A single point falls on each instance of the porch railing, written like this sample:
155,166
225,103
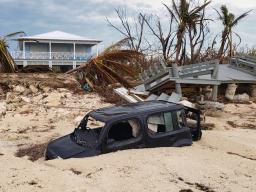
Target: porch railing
20,55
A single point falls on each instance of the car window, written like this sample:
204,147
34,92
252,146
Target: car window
181,118
160,123
124,130
94,124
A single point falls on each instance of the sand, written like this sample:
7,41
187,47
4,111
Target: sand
223,160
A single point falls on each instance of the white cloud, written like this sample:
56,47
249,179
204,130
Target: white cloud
87,17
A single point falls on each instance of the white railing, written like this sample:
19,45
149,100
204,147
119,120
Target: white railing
19,55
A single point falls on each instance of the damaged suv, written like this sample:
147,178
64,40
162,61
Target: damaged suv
138,125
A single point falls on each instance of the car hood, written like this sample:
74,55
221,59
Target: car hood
65,147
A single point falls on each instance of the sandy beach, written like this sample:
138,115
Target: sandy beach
223,160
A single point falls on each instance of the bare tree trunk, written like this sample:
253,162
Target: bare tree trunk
231,46
175,70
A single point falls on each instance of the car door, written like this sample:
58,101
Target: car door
124,134
167,129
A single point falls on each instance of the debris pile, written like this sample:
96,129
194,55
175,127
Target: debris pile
113,65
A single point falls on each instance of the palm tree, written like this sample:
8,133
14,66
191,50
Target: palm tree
229,21
7,64
185,16
113,65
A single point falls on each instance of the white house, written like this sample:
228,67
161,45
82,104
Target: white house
57,48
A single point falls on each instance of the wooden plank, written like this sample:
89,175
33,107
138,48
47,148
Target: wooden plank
151,97
163,97
124,93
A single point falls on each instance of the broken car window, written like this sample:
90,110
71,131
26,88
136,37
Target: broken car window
88,132
181,118
94,124
124,130
160,123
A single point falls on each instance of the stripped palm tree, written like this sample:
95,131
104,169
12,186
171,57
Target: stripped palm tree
186,16
229,21
7,64
109,67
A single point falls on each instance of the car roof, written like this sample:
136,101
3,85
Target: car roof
133,109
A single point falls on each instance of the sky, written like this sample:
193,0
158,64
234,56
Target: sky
88,17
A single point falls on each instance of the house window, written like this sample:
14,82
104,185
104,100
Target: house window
124,130
160,123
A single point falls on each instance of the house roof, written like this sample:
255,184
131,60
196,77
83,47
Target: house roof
60,36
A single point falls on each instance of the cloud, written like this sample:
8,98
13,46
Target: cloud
87,17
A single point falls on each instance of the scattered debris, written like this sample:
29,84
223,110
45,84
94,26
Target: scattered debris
242,98
34,152
3,108
211,105
113,65
231,153
75,171
32,182
7,64
232,124
89,175
186,190
242,125
127,95
208,126
230,91
203,187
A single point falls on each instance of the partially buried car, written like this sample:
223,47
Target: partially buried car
139,125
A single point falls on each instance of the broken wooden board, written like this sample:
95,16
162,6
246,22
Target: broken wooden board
125,94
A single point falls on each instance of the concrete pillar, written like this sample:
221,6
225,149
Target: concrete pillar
74,64
175,74
253,90
25,63
231,91
215,93
50,64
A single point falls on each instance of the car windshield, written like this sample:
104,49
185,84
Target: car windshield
88,131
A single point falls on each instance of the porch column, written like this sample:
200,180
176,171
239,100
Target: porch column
50,55
50,49
74,45
24,54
